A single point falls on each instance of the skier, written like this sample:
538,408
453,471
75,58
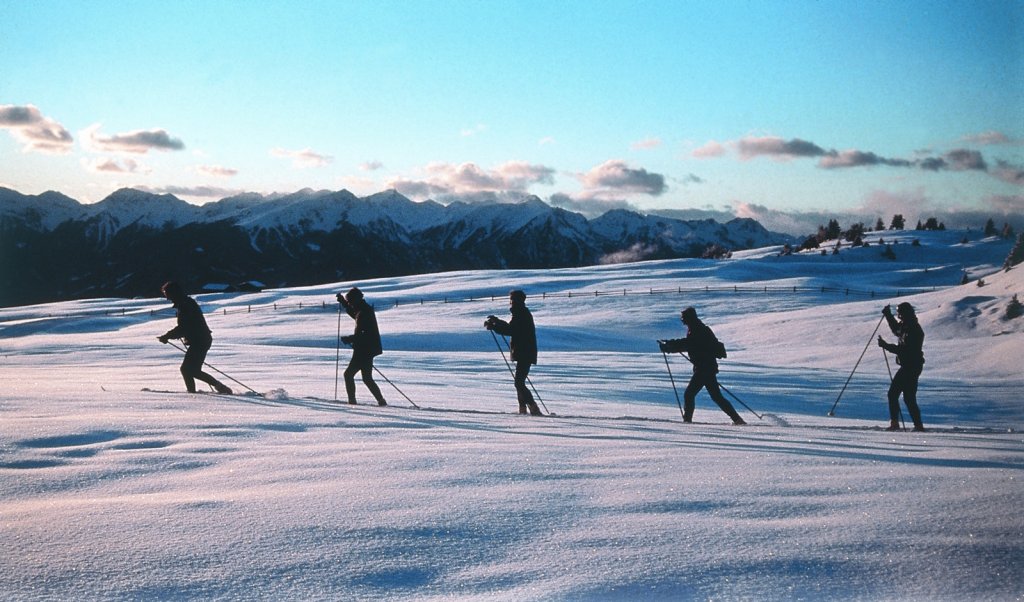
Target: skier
365,342
523,346
196,335
704,349
909,351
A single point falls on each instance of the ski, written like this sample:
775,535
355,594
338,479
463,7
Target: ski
240,395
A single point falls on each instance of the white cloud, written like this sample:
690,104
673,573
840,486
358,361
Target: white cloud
646,144
137,142
988,138
217,170
711,149
615,177
469,178
587,205
207,192
777,148
37,132
303,159
115,166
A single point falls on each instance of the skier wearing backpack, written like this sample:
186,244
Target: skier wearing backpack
704,349
909,351
196,335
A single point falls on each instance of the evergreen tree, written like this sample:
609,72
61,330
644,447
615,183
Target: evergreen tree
1014,309
812,242
879,225
855,232
1016,254
990,228
1007,231
833,230
931,224
897,222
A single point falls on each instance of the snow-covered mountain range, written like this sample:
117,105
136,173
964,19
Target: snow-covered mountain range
54,247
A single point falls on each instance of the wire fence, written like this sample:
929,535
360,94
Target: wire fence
332,305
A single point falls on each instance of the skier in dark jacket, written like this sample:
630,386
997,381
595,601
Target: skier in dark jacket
194,332
702,345
365,342
523,346
909,351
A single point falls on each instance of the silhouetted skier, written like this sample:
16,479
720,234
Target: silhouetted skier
365,342
704,349
193,331
523,346
909,352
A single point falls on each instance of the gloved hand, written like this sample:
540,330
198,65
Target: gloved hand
490,322
341,299
887,311
347,339
163,339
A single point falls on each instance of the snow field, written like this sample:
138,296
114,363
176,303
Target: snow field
111,492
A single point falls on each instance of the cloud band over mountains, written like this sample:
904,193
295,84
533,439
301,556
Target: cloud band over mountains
779,149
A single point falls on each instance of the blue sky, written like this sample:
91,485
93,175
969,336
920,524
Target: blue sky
766,109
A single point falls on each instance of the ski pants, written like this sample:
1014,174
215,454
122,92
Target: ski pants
364,364
523,390
192,365
905,382
708,380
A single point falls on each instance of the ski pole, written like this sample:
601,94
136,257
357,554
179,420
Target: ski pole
502,352
674,390
396,387
886,356
832,412
337,355
724,388
512,372
227,376
733,395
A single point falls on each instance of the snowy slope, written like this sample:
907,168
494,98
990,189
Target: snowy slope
109,492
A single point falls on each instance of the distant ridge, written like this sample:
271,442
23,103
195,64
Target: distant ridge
55,248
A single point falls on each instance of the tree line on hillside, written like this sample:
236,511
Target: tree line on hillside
854,234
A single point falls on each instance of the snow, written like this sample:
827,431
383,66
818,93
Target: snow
108,491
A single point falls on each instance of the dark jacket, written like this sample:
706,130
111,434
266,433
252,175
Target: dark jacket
365,339
523,333
191,326
702,345
909,349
